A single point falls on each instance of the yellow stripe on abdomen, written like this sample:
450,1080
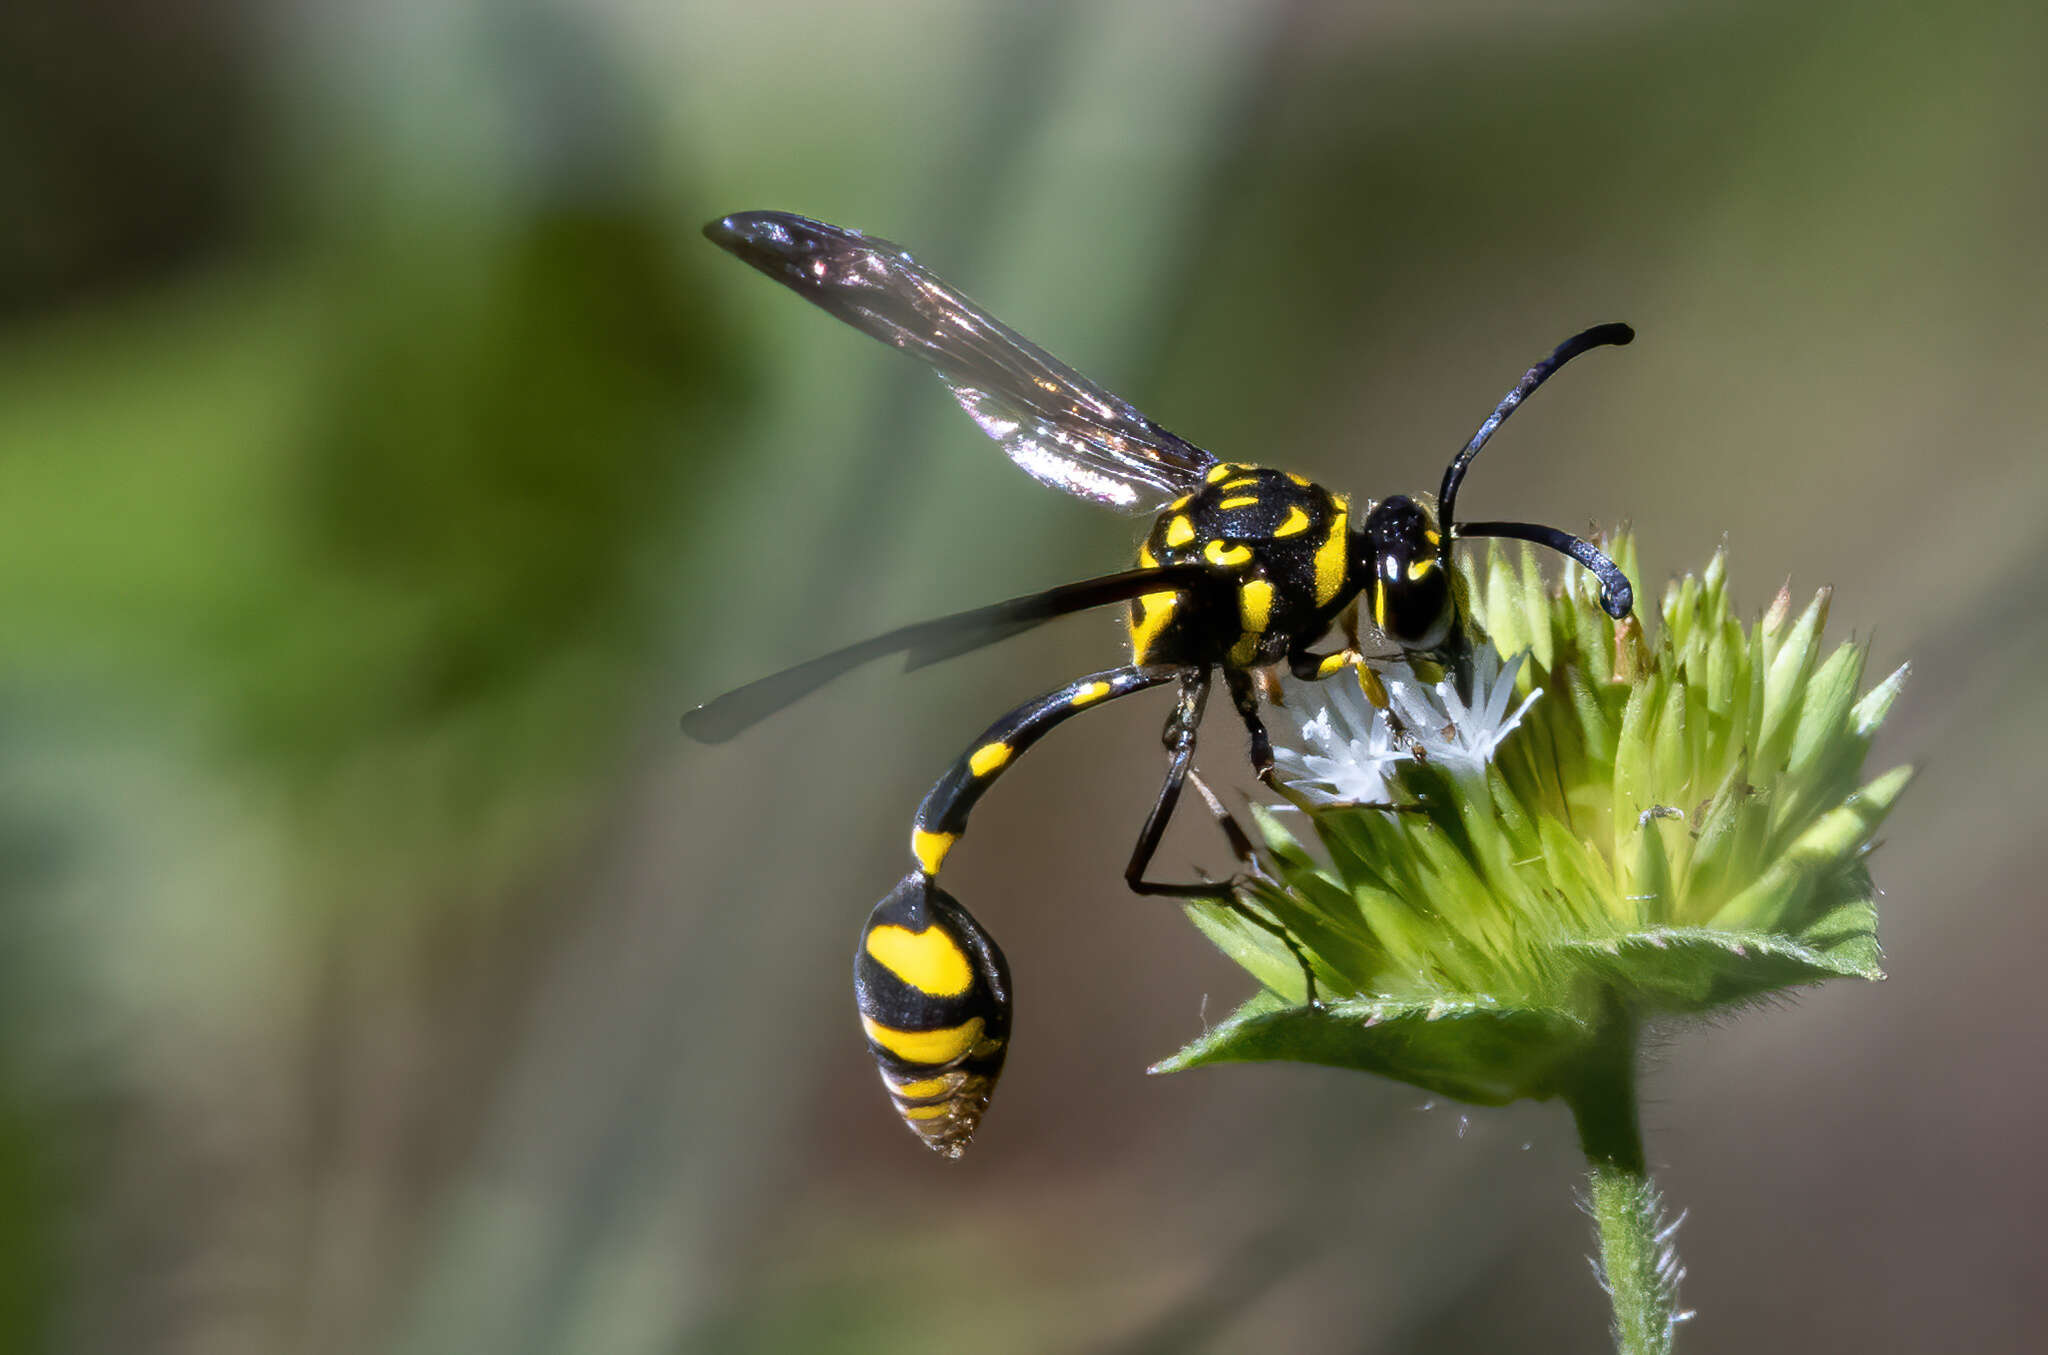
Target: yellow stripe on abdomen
941,1046
929,961
925,1088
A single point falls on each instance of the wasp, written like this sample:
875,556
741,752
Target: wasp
1245,568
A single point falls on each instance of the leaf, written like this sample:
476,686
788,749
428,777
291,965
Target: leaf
1869,713
1828,842
1467,1047
1686,968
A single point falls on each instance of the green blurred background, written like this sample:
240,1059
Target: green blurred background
385,462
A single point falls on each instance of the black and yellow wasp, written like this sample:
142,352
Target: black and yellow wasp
1244,568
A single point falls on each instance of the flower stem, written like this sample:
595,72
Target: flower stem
1637,1265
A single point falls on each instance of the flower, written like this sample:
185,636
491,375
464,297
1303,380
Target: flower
1450,733
1681,824
1349,746
1348,749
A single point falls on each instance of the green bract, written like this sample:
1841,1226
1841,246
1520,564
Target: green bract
1675,824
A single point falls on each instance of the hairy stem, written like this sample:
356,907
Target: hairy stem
1638,1266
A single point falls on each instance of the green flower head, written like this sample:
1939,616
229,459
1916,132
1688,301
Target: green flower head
1609,823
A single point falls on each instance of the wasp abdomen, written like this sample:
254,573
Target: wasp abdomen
934,996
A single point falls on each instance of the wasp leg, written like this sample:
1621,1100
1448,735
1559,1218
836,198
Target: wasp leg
1182,727
1312,666
1247,855
1240,841
1244,695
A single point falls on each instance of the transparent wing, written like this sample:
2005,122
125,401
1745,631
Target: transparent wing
1064,430
934,641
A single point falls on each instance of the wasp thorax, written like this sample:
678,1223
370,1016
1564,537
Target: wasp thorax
1399,559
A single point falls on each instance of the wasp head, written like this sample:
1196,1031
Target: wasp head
1399,558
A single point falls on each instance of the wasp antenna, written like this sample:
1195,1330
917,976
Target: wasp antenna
1599,336
1617,597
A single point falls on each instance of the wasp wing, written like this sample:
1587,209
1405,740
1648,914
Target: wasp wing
929,642
1063,429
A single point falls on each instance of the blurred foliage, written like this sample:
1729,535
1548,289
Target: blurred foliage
125,132
391,488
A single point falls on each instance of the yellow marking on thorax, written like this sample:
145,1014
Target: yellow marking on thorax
1181,502
1091,693
1255,613
944,1045
1225,555
1330,558
1301,480
1179,532
1154,611
1379,604
1420,569
1241,501
1221,471
1295,524
924,1087
929,961
1255,603
1243,482
989,757
1433,537
1145,556
930,848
